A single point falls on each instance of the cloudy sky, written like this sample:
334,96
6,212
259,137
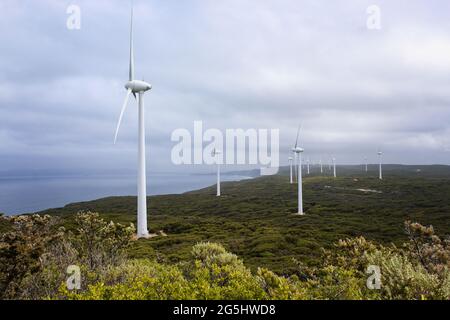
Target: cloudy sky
232,64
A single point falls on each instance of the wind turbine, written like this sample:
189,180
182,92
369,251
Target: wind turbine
137,87
290,169
365,161
334,167
380,155
308,161
298,151
321,165
215,154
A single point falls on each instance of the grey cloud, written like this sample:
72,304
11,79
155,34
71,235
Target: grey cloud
248,64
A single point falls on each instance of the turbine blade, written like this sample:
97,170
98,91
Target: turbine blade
298,133
131,71
121,115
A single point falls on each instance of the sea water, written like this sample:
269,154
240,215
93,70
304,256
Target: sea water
32,194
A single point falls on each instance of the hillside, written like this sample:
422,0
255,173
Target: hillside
254,217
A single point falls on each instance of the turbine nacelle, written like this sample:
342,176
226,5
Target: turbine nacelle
297,150
137,86
380,153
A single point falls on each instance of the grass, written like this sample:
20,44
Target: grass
255,220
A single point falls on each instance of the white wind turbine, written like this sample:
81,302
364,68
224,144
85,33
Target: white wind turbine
321,165
365,161
290,169
216,154
298,151
380,155
308,161
334,167
137,87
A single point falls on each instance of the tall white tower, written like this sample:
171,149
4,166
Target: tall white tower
334,167
299,152
142,230
298,155
290,169
380,155
216,154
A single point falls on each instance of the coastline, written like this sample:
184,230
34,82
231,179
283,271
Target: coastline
52,192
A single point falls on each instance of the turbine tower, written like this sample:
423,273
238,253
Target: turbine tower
215,154
295,167
334,167
298,151
321,165
380,155
307,161
290,169
137,87
365,161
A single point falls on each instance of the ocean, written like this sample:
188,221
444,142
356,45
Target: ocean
32,194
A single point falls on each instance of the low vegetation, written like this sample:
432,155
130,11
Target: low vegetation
246,244
35,254
254,218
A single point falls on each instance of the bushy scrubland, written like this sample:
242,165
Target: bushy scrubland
35,253
253,218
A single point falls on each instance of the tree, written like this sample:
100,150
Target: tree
100,244
427,248
22,251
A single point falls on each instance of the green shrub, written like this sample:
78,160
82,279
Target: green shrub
34,256
405,279
205,250
23,250
100,244
219,276
135,280
280,288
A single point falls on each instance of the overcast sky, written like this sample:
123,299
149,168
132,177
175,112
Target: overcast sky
232,64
